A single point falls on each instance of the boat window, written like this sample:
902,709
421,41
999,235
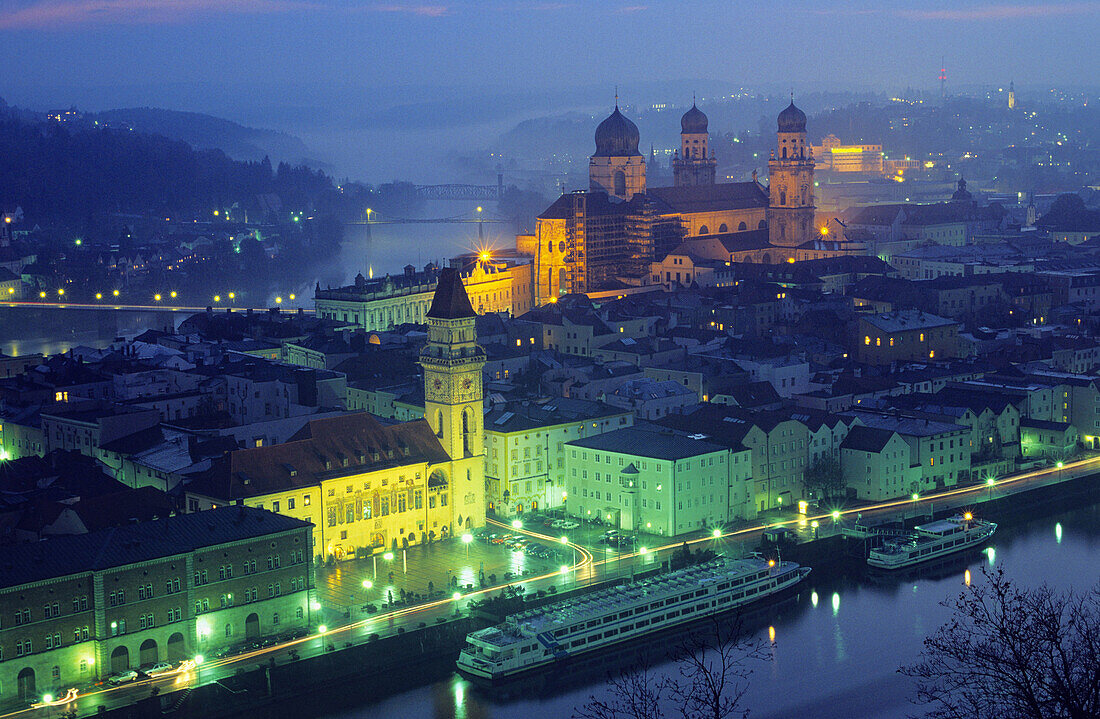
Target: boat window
525,650
611,632
594,623
627,627
594,637
700,593
738,595
609,618
576,642
724,585
672,615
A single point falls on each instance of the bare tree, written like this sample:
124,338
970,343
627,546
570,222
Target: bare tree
712,668
1013,652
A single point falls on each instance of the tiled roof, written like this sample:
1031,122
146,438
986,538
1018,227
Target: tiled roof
643,442
322,449
708,198
867,439
450,301
119,546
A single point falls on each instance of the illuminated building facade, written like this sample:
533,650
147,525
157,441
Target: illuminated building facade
791,183
832,155
381,304
78,608
370,487
610,235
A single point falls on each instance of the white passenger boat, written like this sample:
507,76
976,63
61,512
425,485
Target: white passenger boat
932,540
556,632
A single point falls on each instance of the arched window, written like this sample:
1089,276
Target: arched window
439,424
704,230
620,183
742,227
782,197
762,224
784,153
723,228
550,246
466,431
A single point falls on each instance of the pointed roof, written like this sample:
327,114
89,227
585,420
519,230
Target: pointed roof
450,301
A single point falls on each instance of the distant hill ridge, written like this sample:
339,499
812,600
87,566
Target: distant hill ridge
208,132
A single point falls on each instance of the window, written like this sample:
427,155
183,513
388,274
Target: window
305,500
275,619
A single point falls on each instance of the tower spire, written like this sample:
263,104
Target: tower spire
616,97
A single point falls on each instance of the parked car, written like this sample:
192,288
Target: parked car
158,668
556,524
123,677
499,539
569,525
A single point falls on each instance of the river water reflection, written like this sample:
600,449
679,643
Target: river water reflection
837,646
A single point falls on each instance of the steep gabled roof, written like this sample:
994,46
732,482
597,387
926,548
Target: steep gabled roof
450,301
867,439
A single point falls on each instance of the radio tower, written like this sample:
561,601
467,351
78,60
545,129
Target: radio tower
943,80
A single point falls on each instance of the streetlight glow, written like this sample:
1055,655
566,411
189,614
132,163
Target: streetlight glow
516,524
564,540
467,538
367,584
456,596
388,556
717,533
836,515
564,569
321,629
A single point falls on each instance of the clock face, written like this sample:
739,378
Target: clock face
467,383
438,383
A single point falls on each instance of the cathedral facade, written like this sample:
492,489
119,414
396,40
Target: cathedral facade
607,237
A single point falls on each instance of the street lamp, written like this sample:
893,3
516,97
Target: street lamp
565,540
367,584
990,482
466,539
516,524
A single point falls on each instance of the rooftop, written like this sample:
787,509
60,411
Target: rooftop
641,442
120,546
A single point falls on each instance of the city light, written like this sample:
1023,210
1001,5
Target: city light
322,628
292,295
456,596
156,297
61,292
232,295
47,698
388,556
564,569
99,295
836,514
564,540
717,533
991,481
217,298
42,295
115,293
968,516
78,242
642,550
915,496
368,584
516,524
467,538
278,300
199,659
172,294
315,606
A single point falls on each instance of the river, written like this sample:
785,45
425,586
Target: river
837,645
384,249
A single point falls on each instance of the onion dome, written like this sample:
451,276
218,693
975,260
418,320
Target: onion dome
693,121
617,137
792,119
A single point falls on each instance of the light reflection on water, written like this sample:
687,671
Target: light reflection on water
828,663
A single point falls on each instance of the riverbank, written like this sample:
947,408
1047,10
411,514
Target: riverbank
348,675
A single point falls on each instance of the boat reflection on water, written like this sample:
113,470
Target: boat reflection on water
945,567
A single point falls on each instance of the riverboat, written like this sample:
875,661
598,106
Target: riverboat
932,540
540,637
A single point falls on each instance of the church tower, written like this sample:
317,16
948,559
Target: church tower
790,210
694,164
617,167
453,394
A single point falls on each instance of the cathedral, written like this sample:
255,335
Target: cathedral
606,237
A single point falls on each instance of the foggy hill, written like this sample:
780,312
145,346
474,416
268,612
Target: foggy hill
208,132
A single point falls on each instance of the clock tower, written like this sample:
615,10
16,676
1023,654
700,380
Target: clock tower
453,393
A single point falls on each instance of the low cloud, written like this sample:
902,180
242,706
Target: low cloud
978,13
67,14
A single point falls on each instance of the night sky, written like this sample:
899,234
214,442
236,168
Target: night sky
295,48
